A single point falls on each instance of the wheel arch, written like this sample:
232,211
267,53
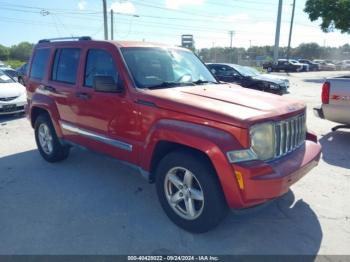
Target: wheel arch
204,141
42,104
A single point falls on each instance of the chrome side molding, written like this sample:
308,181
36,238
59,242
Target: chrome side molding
95,136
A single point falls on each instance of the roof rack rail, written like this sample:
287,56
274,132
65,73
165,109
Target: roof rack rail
77,38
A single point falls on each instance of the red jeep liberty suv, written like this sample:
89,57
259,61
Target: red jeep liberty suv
208,146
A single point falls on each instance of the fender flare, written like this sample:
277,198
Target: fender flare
213,142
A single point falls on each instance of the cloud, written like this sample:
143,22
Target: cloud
123,7
82,4
176,4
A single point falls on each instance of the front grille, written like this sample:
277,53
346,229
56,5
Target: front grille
290,134
5,99
12,109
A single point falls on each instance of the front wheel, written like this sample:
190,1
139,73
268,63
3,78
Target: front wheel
189,191
47,141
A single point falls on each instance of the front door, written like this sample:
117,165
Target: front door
106,121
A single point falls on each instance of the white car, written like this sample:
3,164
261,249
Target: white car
13,96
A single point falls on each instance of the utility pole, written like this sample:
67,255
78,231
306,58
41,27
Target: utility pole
105,19
278,29
112,25
231,37
291,30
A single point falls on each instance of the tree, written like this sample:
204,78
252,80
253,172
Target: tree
308,50
4,52
334,14
22,51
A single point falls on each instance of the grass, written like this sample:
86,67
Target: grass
14,63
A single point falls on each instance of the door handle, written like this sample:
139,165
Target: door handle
49,88
82,95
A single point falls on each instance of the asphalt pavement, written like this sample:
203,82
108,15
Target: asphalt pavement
91,204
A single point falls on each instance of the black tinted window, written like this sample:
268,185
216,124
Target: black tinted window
99,62
65,66
40,62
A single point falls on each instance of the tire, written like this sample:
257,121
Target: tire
54,153
207,213
269,69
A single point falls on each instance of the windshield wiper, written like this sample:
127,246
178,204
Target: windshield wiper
201,82
169,84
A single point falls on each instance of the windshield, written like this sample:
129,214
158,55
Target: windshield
245,70
252,70
5,78
165,67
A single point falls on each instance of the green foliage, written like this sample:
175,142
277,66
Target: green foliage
308,51
4,52
14,63
334,14
22,51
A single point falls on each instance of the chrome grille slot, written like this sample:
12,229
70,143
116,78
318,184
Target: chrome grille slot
289,135
5,99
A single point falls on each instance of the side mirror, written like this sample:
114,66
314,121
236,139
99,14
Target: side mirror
106,84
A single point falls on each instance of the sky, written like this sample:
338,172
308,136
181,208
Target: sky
164,21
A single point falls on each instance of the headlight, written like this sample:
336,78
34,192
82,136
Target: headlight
262,140
274,86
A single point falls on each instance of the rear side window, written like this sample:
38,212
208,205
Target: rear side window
99,62
40,62
65,65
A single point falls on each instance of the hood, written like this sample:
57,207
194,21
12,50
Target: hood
225,103
268,78
11,90
280,78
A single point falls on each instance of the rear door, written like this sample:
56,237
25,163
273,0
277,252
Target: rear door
62,82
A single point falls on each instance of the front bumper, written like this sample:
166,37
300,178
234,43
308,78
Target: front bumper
318,112
266,181
12,107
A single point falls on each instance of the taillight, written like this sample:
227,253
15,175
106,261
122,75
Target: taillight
325,92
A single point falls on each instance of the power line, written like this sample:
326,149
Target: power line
88,14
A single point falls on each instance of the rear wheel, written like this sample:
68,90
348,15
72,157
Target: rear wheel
47,141
269,69
189,191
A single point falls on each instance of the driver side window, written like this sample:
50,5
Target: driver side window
226,71
99,63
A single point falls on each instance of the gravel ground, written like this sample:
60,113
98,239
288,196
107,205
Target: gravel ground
90,204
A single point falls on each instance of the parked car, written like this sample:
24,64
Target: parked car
12,95
323,65
345,65
207,146
305,67
248,77
335,101
312,66
22,72
283,65
11,72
